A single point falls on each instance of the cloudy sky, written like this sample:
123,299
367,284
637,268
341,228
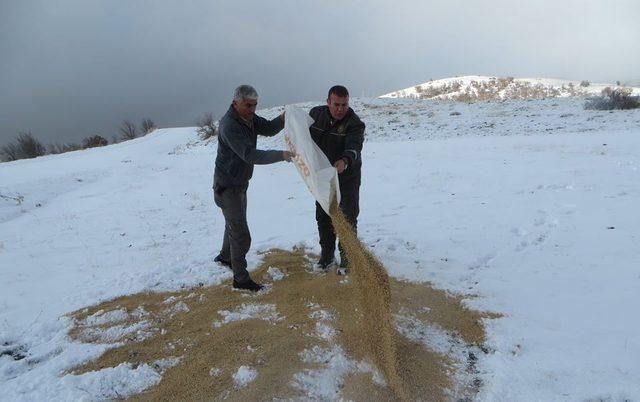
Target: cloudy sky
69,69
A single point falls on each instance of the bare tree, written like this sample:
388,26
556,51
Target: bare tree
128,130
94,141
147,126
206,126
26,146
30,146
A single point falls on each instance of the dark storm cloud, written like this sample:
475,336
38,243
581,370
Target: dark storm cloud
73,68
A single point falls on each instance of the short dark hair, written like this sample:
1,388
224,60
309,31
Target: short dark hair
339,91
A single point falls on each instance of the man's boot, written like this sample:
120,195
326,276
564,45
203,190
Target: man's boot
343,269
222,261
326,261
248,285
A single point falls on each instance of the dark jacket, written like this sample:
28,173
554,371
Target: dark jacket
237,151
340,139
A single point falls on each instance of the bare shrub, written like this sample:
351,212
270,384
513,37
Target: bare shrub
71,146
26,146
128,130
584,83
527,90
435,91
207,126
30,146
466,96
610,99
94,141
9,152
503,83
62,148
147,126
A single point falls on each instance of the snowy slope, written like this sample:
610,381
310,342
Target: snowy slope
530,206
476,87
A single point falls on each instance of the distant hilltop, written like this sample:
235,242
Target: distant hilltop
481,88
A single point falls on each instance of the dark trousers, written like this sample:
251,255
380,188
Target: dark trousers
350,206
237,239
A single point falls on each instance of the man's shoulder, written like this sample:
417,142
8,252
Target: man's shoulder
318,110
228,122
354,118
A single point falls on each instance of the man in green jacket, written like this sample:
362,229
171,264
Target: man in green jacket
237,138
339,133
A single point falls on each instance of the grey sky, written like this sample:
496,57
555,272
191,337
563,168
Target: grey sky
69,69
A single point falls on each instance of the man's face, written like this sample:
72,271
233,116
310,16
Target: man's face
338,106
246,108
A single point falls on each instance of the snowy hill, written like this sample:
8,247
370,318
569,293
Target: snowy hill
478,88
527,209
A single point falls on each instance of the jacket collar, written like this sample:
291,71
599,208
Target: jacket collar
335,122
234,115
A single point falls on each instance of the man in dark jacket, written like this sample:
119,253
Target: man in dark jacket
237,137
339,132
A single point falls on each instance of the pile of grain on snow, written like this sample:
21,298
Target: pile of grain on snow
304,337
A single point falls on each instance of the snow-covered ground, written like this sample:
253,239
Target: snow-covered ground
532,207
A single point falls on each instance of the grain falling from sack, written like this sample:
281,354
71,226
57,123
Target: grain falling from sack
375,294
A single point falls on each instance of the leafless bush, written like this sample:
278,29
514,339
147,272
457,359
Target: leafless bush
584,83
609,99
94,141
435,91
147,126
466,96
527,90
62,148
504,82
10,152
25,146
207,126
128,130
495,88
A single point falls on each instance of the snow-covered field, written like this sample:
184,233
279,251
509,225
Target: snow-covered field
529,207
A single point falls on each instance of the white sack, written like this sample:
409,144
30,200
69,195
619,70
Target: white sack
311,162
